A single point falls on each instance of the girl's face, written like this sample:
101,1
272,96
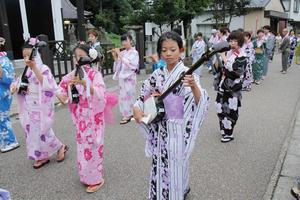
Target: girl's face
246,38
79,53
292,33
234,44
92,38
26,53
170,52
126,43
260,35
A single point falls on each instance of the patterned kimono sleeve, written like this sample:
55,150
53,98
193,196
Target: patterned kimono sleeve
148,131
131,61
49,83
63,85
238,69
234,79
98,98
194,117
147,89
217,77
47,97
252,53
7,72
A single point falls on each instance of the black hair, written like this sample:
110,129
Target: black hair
267,27
259,31
83,47
126,36
177,30
247,34
170,35
237,35
86,49
241,30
2,47
199,34
223,30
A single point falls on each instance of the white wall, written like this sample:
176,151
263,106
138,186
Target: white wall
57,20
201,24
237,22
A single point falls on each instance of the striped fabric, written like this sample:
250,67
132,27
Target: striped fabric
171,141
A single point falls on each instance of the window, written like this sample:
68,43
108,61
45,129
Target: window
296,6
286,5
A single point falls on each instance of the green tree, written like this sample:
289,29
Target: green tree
188,10
227,9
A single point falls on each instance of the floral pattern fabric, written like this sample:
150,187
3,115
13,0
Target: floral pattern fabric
125,71
88,119
36,111
228,83
7,136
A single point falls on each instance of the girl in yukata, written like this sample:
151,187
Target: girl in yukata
293,41
95,44
88,116
36,110
258,64
198,49
170,141
8,140
250,54
126,66
228,83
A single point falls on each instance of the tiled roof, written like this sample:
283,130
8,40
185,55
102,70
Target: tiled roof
70,11
258,3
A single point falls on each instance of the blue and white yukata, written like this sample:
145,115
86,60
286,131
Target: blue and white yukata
8,140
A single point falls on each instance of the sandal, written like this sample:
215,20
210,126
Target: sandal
125,120
295,192
66,148
94,188
43,162
186,193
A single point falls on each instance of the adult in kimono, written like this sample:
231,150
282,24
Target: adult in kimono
228,83
170,141
258,64
36,110
198,50
8,140
95,44
250,54
269,50
285,50
126,66
293,44
88,117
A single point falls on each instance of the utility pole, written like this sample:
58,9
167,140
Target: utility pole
80,20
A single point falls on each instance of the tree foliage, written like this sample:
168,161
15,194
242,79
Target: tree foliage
225,10
114,14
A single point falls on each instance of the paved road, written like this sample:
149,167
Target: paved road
236,171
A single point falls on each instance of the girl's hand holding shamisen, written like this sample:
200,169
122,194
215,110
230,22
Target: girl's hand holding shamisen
189,81
138,114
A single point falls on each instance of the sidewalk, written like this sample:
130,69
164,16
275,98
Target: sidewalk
290,165
111,85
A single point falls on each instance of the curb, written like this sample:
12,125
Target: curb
282,155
